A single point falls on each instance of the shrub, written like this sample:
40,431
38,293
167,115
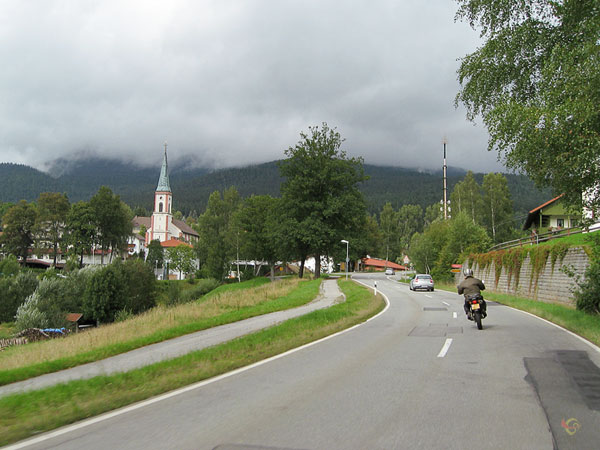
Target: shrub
202,287
105,294
9,266
140,285
29,315
587,295
13,293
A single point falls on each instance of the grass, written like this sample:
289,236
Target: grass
224,306
29,413
7,330
578,322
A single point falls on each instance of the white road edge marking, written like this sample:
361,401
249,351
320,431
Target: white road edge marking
428,296
144,403
446,303
454,315
445,348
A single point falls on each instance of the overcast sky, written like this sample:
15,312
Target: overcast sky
234,82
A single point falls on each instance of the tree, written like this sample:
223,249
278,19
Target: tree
536,84
214,249
181,258
388,226
410,221
50,223
114,220
81,229
321,200
466,198
18,227
156,254
105,294
257,220
497,207
432,213
425,247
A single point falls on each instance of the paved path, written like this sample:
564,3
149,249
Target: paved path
330,294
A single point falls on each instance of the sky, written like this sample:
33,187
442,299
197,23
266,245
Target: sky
234,82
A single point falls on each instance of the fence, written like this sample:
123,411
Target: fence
537,238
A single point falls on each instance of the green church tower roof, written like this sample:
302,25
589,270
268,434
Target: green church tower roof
163,181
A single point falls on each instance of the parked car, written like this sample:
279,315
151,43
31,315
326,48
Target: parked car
421,281
389,271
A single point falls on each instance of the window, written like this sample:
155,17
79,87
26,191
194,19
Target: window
560,223
160,207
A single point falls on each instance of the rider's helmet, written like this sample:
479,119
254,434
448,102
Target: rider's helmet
468,272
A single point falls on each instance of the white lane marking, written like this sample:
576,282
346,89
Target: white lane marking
428,296
446,303
185,389
445,348
454,315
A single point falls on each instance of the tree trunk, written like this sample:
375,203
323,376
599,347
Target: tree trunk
317,266
301,271
272,271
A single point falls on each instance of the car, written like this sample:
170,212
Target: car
389,271
421,281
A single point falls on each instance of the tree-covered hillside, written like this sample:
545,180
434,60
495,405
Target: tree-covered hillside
192,187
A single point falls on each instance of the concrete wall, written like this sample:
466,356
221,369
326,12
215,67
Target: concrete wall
551,285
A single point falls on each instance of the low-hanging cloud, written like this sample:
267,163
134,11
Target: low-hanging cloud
234,82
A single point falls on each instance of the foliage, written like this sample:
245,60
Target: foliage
587,294
139,286
497,208
18,228
466,198
425,247
156,254
50,222
321,200
201,287
9,266
536,83
81,229
215,248
113,219
14,291
105,294
181,258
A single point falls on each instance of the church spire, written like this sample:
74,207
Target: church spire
163,181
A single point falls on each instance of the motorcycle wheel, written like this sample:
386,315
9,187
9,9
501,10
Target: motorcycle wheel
477,317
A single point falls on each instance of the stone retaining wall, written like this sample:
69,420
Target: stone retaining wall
551,284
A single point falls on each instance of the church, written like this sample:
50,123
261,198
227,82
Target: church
161,225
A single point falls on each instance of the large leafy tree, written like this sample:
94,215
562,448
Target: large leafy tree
258,229
410,221
321,200
81,229
536,83
215,247
53,209
388,227
466,198
497,207
181,258
114,220
156,254
18,228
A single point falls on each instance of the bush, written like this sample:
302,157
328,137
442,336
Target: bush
202,287
140,285
13,293
9,266
105,294
30,316
587,295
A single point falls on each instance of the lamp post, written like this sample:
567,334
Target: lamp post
344,241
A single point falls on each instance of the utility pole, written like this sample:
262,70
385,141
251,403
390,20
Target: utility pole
444,141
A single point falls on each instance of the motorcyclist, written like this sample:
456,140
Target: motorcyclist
471,286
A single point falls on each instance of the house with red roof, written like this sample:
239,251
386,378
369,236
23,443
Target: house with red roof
551,215
375,264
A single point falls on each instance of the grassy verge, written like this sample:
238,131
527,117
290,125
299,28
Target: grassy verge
580,323
225,306
30,413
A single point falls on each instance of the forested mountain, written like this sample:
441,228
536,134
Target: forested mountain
191,187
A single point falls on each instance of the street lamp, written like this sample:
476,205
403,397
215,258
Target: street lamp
344,241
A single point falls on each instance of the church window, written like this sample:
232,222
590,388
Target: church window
160,207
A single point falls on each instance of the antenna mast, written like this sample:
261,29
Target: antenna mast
445,141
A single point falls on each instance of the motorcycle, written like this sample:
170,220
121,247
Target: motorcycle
477,309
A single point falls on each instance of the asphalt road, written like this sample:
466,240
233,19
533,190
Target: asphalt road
417,376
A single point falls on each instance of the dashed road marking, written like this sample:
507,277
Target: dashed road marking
445,348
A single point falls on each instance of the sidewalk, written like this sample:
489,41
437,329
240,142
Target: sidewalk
329,295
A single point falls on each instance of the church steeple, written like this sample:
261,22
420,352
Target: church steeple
163,181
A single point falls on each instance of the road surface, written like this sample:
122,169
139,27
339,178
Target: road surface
417,376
